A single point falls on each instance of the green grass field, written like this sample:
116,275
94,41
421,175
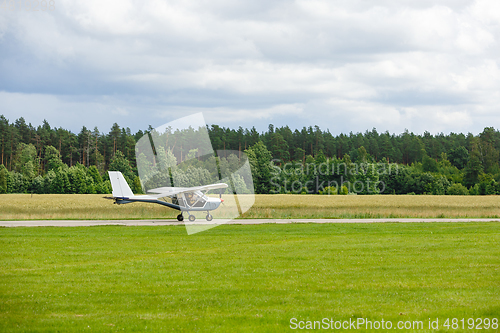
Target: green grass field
251,278
94,207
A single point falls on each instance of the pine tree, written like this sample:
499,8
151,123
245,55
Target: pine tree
259,158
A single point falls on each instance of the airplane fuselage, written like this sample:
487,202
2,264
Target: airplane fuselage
195,201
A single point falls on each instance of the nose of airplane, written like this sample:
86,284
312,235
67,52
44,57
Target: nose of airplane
221,200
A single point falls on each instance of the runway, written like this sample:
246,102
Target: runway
88,223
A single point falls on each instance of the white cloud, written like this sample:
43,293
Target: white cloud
385,64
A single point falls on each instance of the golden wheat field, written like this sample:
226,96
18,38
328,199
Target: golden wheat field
95,207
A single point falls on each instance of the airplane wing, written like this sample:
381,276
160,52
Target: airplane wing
169,191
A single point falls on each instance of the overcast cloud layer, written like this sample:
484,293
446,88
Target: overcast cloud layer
343,65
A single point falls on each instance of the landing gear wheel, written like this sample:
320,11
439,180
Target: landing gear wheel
209,217
180,218
192,218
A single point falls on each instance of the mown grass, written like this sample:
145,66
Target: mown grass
86,206
251,278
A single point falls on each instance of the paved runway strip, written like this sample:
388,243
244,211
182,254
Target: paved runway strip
86,223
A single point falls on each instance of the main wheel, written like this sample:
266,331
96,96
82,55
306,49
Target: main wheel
192,218
209,217
180,218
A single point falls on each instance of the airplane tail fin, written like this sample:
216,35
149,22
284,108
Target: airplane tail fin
119,185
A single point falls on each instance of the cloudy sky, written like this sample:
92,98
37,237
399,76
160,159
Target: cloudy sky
346,65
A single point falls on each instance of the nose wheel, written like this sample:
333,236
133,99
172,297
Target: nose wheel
209,217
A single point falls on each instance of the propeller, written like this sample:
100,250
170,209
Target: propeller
220,196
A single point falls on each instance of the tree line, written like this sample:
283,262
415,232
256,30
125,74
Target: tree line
43,159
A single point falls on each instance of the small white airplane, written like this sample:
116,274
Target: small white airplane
185,199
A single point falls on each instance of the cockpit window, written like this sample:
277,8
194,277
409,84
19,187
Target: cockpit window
195,199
